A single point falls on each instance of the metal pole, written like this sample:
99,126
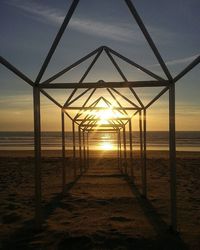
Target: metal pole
37,147
148,37
144,165
103,84
87,149
141,144
131,146
127,60
63,150
57,39
74,146
172,156
125,156
12,68
80,150
84,151
118,150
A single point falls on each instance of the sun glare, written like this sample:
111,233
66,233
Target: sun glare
106,145
105,137
105,115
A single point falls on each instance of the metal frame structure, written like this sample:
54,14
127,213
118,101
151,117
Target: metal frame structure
89,123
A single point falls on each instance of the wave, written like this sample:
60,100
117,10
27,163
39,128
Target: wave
188,140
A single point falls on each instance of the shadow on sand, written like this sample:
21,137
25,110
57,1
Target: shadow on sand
111,240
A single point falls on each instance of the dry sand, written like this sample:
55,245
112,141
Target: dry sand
102,209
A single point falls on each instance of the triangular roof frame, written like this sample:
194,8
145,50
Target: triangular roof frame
168,83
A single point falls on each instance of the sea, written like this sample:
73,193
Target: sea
156,140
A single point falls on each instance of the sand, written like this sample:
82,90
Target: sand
101,209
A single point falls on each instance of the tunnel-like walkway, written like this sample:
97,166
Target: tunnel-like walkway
101,211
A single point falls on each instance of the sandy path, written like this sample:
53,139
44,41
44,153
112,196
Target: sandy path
99,212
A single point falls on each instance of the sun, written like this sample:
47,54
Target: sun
106,146
105,115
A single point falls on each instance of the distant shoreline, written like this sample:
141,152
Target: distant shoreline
97,153
69,131
159,141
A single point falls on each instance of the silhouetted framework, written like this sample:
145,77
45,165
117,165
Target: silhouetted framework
84,123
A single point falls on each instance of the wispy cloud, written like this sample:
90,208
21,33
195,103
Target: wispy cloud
179,61
188,109
25,102
113,32
121,32
83,25
38,11
20,101
182,60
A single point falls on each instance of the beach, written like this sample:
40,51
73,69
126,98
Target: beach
100,209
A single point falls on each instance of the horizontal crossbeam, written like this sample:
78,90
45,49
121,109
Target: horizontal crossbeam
101,108
102,84
114,130
96,119
103,125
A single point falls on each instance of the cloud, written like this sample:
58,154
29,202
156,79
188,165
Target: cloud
187,109
38,11
182,60
118,32
20,101
179,61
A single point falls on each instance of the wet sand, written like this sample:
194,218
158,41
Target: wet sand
102,209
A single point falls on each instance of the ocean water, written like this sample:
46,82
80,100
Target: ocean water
186,141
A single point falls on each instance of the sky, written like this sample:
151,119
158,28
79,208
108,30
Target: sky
28,28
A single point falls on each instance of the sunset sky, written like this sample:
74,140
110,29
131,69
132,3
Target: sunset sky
28,28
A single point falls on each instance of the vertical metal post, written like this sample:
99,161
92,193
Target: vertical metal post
172,156
80,150
74,147
140,132
37,147
141,145
84,151
63,150
118,149
144,165
131,147
125,155
88,150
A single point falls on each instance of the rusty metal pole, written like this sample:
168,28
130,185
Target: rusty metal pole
37,151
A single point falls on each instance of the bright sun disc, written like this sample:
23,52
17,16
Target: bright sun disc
105,115
106,146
